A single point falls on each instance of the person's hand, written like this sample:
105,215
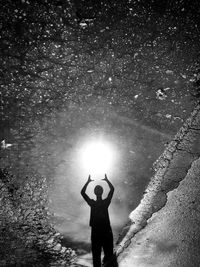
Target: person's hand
89,179
105,178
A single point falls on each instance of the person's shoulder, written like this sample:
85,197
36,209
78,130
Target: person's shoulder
92,201
105,200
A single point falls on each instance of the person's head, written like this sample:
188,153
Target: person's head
98,190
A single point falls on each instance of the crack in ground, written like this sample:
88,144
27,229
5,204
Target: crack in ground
157,189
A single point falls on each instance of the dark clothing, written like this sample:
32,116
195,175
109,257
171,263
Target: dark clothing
99,217
101,232
99,211
101,239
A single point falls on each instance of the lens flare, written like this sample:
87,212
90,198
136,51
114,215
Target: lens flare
97,158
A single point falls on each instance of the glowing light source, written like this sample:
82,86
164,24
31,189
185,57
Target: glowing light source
97,158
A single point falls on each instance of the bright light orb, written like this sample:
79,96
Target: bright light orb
97,158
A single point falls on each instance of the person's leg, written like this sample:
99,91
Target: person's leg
108,245
96,249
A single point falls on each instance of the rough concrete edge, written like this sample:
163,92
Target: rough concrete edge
170,149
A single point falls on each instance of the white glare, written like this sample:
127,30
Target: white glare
97,158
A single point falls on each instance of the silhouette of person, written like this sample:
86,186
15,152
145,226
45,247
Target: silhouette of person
101,232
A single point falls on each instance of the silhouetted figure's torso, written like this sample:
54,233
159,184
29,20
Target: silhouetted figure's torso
99,217
101,232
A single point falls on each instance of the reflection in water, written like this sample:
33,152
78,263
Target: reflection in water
101,232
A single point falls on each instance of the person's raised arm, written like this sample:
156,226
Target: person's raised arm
110,194
83,190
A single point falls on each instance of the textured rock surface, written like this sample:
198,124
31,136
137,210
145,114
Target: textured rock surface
27,237
171,168
172,235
